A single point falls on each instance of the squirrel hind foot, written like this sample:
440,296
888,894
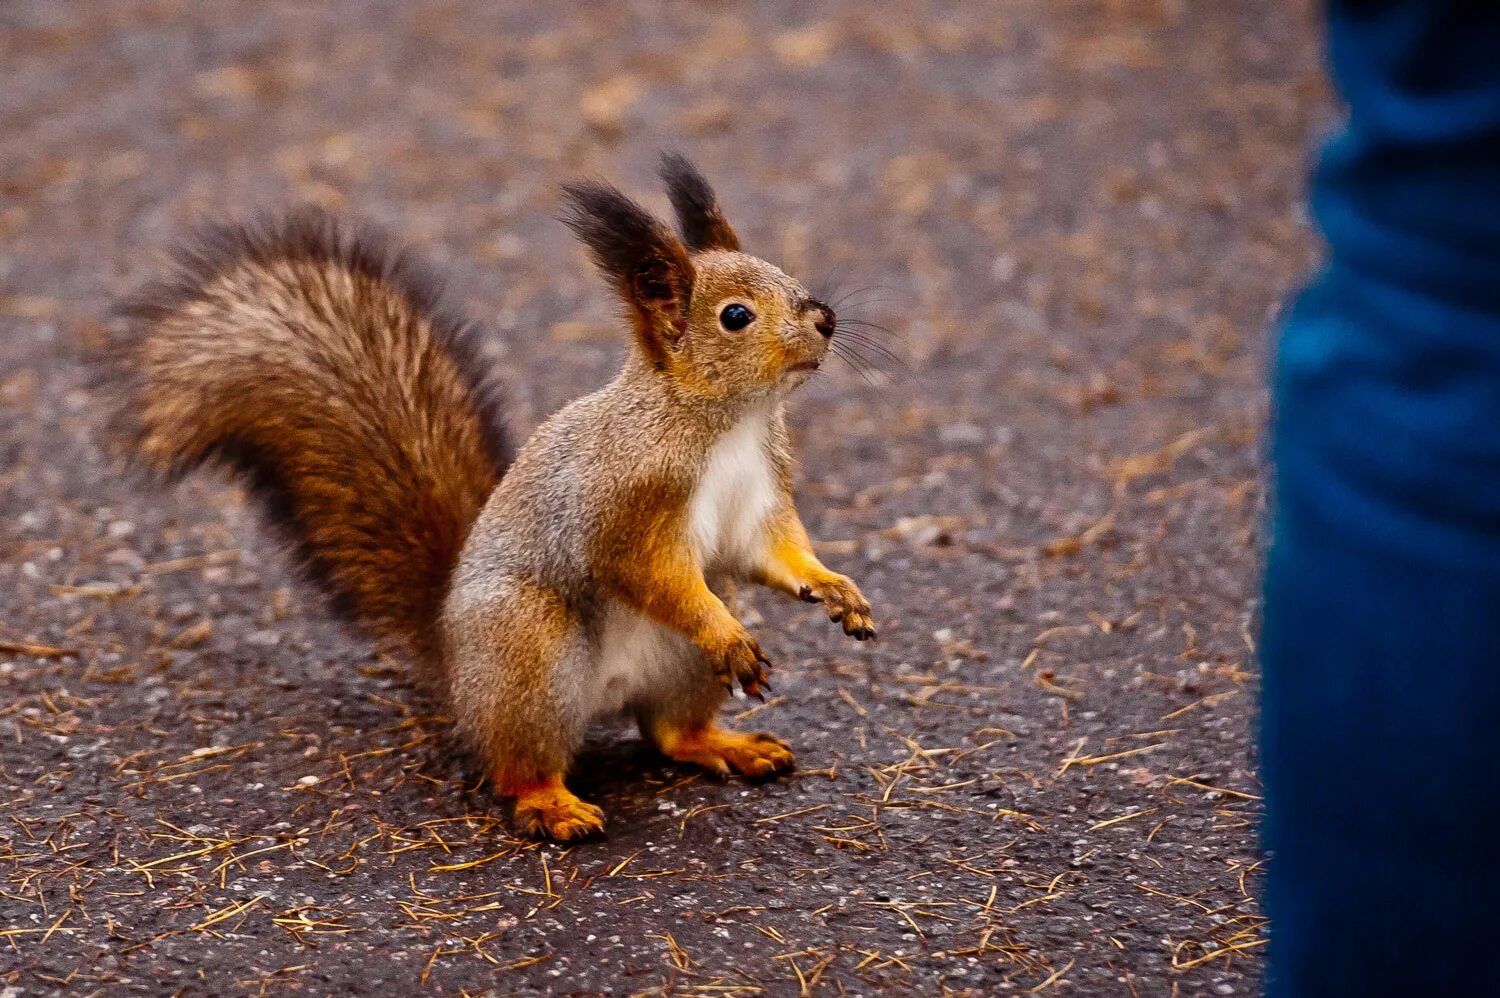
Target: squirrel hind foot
755,755
549,810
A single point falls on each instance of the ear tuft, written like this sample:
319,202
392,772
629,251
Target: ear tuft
619,233
639,254
703,224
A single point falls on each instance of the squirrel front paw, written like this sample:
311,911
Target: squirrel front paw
741,661
845,604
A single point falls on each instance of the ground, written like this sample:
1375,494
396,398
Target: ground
1077,219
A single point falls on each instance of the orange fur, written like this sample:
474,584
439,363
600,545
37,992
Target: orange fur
755,754
546,808
655,573
791,567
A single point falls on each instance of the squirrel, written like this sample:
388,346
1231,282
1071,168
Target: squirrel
588,574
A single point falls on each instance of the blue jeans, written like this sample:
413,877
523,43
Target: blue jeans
1381,703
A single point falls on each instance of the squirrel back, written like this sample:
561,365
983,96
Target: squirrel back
318,365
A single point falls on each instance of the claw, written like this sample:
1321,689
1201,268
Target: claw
549,810
753,685
745,665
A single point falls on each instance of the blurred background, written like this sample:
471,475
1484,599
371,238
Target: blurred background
1076,220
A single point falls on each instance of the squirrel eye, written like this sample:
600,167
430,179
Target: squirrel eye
736,317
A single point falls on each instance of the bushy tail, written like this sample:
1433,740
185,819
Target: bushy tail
315,362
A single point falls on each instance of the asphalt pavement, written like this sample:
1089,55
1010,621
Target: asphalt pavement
1074,220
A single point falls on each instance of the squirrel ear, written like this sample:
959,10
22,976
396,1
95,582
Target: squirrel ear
639,254
703,225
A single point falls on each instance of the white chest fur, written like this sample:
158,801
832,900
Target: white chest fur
639,659
727,517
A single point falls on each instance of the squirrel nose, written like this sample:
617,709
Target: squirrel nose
825,321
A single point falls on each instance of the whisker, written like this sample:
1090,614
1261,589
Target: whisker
850,302
877,327
866,364
849,294
857,364
849,353
858,339
863,375
827,287
857,291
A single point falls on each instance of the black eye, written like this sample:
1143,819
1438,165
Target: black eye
736,317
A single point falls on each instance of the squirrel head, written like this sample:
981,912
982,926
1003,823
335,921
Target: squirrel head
721,323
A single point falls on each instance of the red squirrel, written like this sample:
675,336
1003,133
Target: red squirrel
584,576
